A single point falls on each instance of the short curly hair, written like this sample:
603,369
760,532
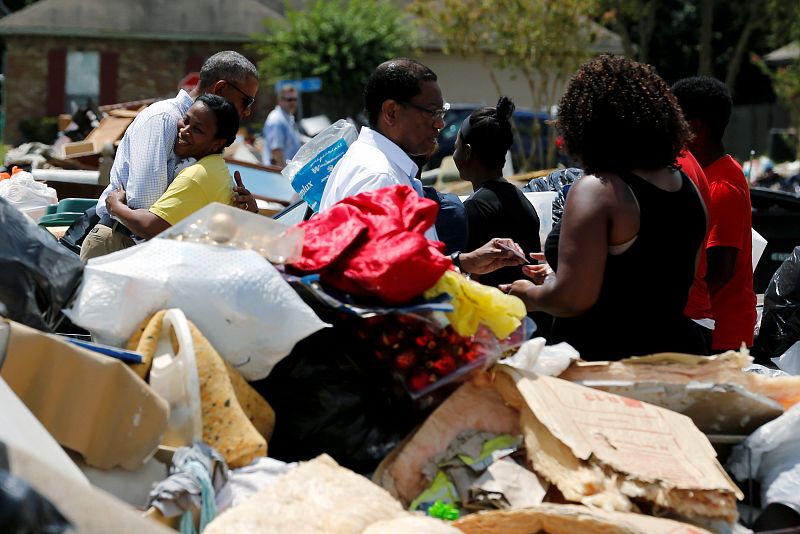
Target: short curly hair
706,99
618,114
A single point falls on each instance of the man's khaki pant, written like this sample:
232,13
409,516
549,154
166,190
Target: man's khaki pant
103,240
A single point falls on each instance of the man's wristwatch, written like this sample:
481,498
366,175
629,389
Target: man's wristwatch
456,257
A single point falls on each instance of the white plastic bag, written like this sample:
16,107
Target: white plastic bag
174,377
235,297
26,194
771,456
310,168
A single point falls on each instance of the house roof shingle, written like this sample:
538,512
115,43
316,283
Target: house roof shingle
183,20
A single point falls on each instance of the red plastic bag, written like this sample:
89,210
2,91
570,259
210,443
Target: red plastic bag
372,244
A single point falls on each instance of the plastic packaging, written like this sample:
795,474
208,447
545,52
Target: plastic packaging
26,194
780,320
37,275
221,225
174,377
771,456
310,168
558,181
235,297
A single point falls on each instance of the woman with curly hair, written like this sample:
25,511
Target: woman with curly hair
632,227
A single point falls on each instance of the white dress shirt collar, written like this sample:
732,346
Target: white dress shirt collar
393,153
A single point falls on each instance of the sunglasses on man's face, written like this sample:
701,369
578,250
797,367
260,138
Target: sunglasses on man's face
248,100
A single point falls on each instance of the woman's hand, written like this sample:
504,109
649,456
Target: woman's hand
242,198
537,273
521,289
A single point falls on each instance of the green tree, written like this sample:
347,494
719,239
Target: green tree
543,42
785,28
339,41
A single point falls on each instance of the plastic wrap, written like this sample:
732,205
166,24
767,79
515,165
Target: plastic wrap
26,194
235,297
221,225
558,181
780,321
37,275
310,168
771,456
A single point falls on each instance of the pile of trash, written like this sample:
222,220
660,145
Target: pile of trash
341,376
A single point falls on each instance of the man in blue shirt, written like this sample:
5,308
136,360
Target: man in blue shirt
281,138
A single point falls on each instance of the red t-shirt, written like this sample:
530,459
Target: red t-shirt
698,306
734,304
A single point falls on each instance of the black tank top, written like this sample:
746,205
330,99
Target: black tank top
644,290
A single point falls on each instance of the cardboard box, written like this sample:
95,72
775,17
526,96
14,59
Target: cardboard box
570,519
613,452
90,403
714,391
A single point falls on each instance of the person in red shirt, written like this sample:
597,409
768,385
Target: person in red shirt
706,104
698,306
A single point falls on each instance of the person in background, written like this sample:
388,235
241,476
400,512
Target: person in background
496,208
209,125
632,226
281,137
145,163
706,104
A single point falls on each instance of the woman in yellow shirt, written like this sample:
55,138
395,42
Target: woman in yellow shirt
209,126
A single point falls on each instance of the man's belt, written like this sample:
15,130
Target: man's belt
116,226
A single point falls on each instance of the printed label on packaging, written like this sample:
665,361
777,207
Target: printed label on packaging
309,182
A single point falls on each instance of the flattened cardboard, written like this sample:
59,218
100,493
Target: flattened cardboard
90,403
714,408
570,519
674,368
603,449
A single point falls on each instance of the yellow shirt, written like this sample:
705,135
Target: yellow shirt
206,181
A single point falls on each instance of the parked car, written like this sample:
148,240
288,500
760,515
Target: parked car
523,135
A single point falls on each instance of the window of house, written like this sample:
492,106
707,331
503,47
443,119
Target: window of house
82,80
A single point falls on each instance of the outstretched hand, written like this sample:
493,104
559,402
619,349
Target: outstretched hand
538,272
242,198
498,253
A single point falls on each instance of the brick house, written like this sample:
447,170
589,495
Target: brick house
63,51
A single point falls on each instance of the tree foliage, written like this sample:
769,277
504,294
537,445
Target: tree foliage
785,28
339,41
543,41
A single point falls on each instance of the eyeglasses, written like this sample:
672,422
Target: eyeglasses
248,100
435,114
289,98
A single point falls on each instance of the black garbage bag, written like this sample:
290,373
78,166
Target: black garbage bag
780,320
78,230
22,509
38,277
331,395
327,401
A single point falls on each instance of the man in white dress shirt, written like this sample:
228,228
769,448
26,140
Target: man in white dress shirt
405,109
